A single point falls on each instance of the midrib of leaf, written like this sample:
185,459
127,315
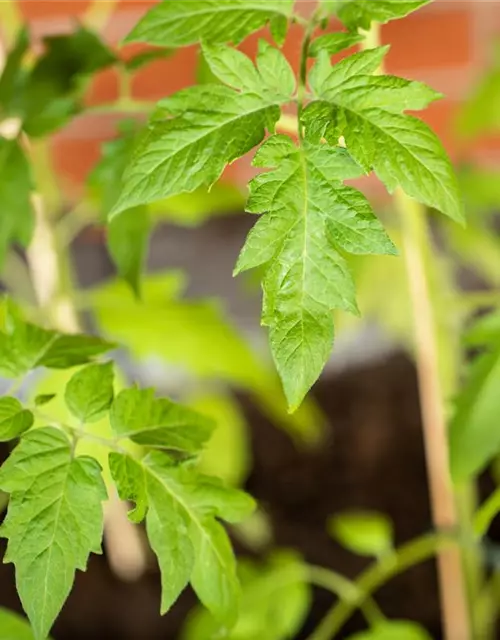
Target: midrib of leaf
192,514
51,546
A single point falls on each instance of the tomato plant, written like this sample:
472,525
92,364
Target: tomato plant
85,440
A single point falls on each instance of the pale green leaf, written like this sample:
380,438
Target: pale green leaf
474,434
227,453
128,239
393,630
54,520
274,603
360,13
13,626
480,114
366,533
16,221
177,23
14,419
213,124
333,43
367,110
89,392
158,423
180,520
26,346
310,218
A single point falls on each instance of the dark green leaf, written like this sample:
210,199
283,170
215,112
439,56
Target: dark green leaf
310,218
16,220
43,399
54,520
158,423
89,393
128,239
14,419
367,110
177,23
55,87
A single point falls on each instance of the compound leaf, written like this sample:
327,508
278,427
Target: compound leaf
14,419
310,218
158,423
204,128
361,13
54,520
89,392
177,23
180,510
333,43
367,110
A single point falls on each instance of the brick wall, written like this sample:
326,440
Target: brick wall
447,44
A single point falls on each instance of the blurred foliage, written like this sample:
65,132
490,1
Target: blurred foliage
14,627
366,533
274,602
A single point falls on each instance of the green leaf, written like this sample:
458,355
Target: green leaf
363,532
158,423
14,419
89,393
104,182
55,88
177,23
393,630
54,520
43,398
128,239
13,626
480,114
180,521
310,218
142,59
16,184
12,75
474,436
227,453
277,592
26,346
333,43
212,123
360,13
367,110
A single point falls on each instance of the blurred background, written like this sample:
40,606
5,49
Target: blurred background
356,444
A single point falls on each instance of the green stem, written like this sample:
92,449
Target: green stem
346,590
304,57
387,567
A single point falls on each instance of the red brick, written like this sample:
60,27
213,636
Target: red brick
430,39
72,160
165,76
47,9
104,88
